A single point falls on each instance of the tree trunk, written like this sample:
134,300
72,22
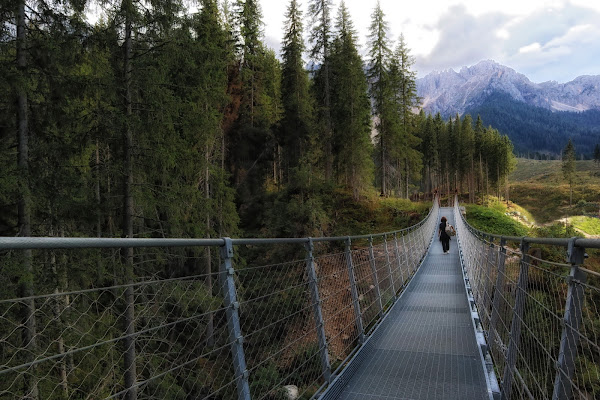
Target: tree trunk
406,176
24,203
328,127
383,162
130,352
507,190
209,284
98,211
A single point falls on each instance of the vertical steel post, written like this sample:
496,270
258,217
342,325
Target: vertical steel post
411,250
567,354
493,333
375,278
487,300
480,264
406,250
389,264
233,321
515,327
398,260
316,302
354,293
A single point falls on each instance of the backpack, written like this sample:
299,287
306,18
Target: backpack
450,230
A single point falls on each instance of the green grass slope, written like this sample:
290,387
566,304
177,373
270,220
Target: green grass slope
540,187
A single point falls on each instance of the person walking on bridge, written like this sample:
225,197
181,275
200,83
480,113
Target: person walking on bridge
444,237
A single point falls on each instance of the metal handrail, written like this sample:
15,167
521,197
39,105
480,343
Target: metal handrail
14,243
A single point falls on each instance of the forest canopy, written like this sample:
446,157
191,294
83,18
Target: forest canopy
107,128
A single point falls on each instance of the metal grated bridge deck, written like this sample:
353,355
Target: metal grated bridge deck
426,348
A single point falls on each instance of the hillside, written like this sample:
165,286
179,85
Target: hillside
539,187
549,172
535,129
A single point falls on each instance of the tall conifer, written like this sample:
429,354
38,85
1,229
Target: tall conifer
320,37
296,125
350,109
377,72
568,168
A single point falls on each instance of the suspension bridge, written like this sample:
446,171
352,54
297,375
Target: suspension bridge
382,316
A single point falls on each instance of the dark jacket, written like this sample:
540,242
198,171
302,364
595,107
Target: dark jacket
442,228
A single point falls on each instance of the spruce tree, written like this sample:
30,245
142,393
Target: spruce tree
568,167
377,73
478,148
350,109
320,37
401,99
296,124
467,157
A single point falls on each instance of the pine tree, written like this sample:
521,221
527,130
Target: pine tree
401,99
251,138
24,189
350,109
597,154
568,167
377,72
296,125
320,37
478,148
467,157
249,22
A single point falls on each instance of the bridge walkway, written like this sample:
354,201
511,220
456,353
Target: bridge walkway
426,348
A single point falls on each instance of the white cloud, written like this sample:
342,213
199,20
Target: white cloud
532,48
502,34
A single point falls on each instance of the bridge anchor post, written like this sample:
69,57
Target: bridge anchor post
565,368
316,302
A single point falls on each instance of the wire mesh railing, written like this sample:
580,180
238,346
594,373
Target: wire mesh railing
194,318
540,316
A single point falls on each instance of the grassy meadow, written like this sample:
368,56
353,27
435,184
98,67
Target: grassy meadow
539,187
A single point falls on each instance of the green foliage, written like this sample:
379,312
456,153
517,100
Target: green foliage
297,124
264,380
350,111
494,221
568,166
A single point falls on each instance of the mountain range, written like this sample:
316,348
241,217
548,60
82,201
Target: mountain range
538,117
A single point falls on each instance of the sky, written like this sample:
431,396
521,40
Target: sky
555,40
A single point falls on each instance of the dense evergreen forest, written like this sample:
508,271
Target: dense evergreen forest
538,132
159,121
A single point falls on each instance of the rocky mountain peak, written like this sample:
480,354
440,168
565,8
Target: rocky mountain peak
450,92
